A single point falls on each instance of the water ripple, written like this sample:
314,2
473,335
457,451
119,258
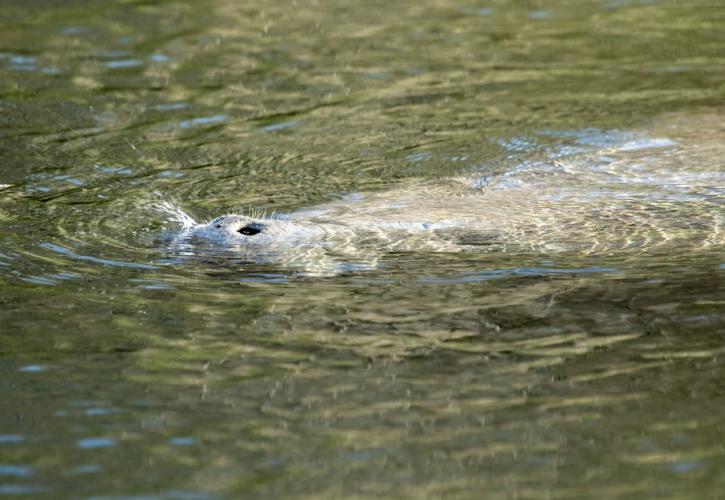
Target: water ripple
106,262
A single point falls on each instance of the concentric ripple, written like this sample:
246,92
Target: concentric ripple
639,195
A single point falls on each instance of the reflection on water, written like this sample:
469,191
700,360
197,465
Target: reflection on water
132,369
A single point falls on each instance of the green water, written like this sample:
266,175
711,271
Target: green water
129,370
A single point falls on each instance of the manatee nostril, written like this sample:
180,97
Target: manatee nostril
251,229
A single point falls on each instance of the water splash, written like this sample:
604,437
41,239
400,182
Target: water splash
173,211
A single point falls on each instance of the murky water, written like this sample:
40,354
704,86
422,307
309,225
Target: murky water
133,367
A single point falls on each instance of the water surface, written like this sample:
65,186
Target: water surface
129,370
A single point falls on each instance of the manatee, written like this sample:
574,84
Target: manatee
636,195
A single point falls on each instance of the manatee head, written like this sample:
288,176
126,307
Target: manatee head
299,245
241,230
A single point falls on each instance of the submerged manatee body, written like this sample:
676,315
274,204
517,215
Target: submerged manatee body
636,194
